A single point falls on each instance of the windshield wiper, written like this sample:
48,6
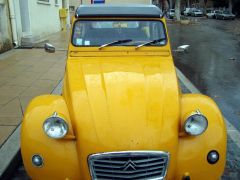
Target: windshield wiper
115,42
151,42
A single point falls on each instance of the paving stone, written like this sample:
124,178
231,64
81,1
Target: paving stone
13,71
11,109
10,121
5,132
21,81
5,99
4,80
10,90
45,83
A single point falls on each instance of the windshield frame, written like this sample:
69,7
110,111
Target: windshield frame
120,19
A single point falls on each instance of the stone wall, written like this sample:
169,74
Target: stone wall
5,30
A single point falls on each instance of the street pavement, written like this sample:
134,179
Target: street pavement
26,73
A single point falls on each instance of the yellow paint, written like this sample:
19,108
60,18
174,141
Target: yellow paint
63,13
122,99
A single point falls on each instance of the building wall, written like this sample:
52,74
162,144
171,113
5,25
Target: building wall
5,30
44,17
73,4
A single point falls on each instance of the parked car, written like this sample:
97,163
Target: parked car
171,13
121,114
225,15
196,12
211,14
187,12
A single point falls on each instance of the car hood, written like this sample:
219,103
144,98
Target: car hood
123,103
228,15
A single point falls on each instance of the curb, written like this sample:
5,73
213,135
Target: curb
10,155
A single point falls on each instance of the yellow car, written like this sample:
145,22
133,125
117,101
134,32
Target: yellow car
121,114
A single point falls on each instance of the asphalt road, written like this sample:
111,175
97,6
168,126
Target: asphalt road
212,65
213,62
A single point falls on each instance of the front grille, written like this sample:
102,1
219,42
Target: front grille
129,165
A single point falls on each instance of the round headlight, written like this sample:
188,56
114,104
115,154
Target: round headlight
196,124
55,127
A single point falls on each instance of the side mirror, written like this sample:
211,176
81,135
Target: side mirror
183,48
49,48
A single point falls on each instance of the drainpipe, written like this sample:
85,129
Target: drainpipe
13,22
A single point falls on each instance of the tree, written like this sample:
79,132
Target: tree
205,6
177,9
170,3
230,5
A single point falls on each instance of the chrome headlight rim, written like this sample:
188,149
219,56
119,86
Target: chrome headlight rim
195,113
60,120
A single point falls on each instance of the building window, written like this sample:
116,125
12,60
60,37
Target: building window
56,3
47,1
43,1
72,8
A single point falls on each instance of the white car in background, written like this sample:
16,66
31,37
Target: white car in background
187,12
196,12
225,15
171,13
212,14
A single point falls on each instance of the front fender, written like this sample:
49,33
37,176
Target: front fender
193,150
60,156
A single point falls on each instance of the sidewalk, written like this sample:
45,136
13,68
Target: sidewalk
24,74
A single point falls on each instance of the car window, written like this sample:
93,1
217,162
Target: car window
99,32
226,12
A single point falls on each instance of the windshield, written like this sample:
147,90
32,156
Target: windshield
226,12
98,33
